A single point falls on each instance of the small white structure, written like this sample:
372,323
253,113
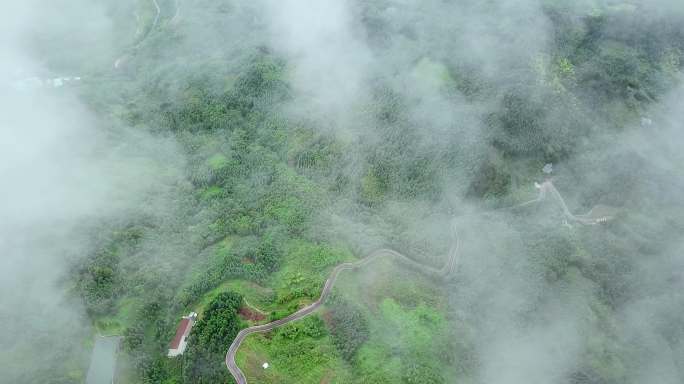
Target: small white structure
180,341
548,168
265,365
33,83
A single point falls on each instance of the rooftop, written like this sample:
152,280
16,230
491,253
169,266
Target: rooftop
183,327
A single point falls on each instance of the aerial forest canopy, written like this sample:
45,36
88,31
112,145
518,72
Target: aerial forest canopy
166,157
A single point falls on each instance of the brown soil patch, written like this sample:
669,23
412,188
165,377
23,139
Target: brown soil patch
327,319
250,314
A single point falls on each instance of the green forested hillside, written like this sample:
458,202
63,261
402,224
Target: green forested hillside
302,148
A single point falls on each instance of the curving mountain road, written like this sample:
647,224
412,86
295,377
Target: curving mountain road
590,218
448,269
327,288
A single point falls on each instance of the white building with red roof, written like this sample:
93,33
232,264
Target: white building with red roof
180,341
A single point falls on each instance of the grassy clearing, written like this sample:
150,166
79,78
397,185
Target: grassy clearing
118,322
259,296
305,267
383,279
409,337
301,352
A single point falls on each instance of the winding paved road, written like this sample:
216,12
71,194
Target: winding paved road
327,288
449,268
590,218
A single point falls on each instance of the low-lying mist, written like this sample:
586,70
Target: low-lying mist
65,172
231,129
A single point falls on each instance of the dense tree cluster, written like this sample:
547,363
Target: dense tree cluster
348,327
209,340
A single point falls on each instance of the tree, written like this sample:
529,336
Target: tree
210,338
349,328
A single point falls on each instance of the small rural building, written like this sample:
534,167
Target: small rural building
180,340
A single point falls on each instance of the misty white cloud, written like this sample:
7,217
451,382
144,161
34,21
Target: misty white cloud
62,170
323,42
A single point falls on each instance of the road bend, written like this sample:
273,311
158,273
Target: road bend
325,293
449,269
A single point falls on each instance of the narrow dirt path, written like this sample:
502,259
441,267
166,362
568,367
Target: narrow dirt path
449,268
254,308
